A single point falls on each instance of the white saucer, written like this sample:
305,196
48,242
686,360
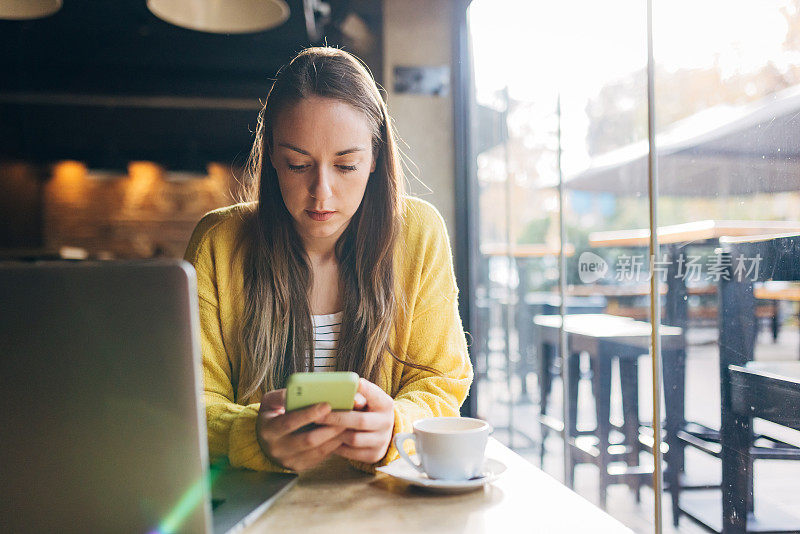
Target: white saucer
400,469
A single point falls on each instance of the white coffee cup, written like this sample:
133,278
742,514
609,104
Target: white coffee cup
449,448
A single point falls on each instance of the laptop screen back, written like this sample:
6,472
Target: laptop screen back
101,428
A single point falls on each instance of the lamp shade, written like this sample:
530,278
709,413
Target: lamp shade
28,9
221,16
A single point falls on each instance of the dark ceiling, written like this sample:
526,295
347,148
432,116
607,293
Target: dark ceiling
108,82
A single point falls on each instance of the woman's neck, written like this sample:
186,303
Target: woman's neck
324,295
320,251
321,258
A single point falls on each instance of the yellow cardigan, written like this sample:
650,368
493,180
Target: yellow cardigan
430,333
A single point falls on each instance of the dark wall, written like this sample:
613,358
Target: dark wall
108,82
20,206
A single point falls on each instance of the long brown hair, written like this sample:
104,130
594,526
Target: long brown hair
277,332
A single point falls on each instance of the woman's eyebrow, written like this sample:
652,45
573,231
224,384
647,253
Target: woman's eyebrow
292,147
350,151
340,153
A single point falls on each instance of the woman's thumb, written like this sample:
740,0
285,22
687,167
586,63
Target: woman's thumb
274,400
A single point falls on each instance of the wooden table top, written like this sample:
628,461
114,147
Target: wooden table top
789,292
631,290
537,250
335,498
622,290
698,232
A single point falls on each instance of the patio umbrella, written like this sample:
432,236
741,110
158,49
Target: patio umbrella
725,150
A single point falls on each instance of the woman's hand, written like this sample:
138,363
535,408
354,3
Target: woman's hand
369,426
278,436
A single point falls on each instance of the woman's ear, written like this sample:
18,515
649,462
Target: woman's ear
375,154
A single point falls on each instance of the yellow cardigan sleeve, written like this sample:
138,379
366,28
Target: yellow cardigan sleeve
231,426
436,340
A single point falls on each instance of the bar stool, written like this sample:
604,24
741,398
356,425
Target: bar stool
604,338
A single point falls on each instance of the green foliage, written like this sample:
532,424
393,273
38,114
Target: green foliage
534,232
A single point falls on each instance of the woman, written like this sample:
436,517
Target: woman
329,244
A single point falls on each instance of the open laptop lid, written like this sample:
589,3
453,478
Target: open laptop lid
102,428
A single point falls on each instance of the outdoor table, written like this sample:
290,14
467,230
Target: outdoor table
615,295
771,291
335,498
707,232
549,302
697,232
791,293
613,291
526,250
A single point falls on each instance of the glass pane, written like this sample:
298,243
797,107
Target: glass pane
516,140
727,102
597,74
604,119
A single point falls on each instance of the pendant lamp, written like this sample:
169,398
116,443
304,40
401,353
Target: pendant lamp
28,9
221,16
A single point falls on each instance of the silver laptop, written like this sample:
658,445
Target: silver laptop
102,426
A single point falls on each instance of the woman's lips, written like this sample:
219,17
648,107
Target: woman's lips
320,215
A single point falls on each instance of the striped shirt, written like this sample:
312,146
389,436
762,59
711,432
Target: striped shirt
326,339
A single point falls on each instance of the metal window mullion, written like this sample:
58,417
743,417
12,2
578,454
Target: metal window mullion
562,310
655,299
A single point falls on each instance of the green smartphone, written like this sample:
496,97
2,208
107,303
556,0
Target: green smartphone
337,389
